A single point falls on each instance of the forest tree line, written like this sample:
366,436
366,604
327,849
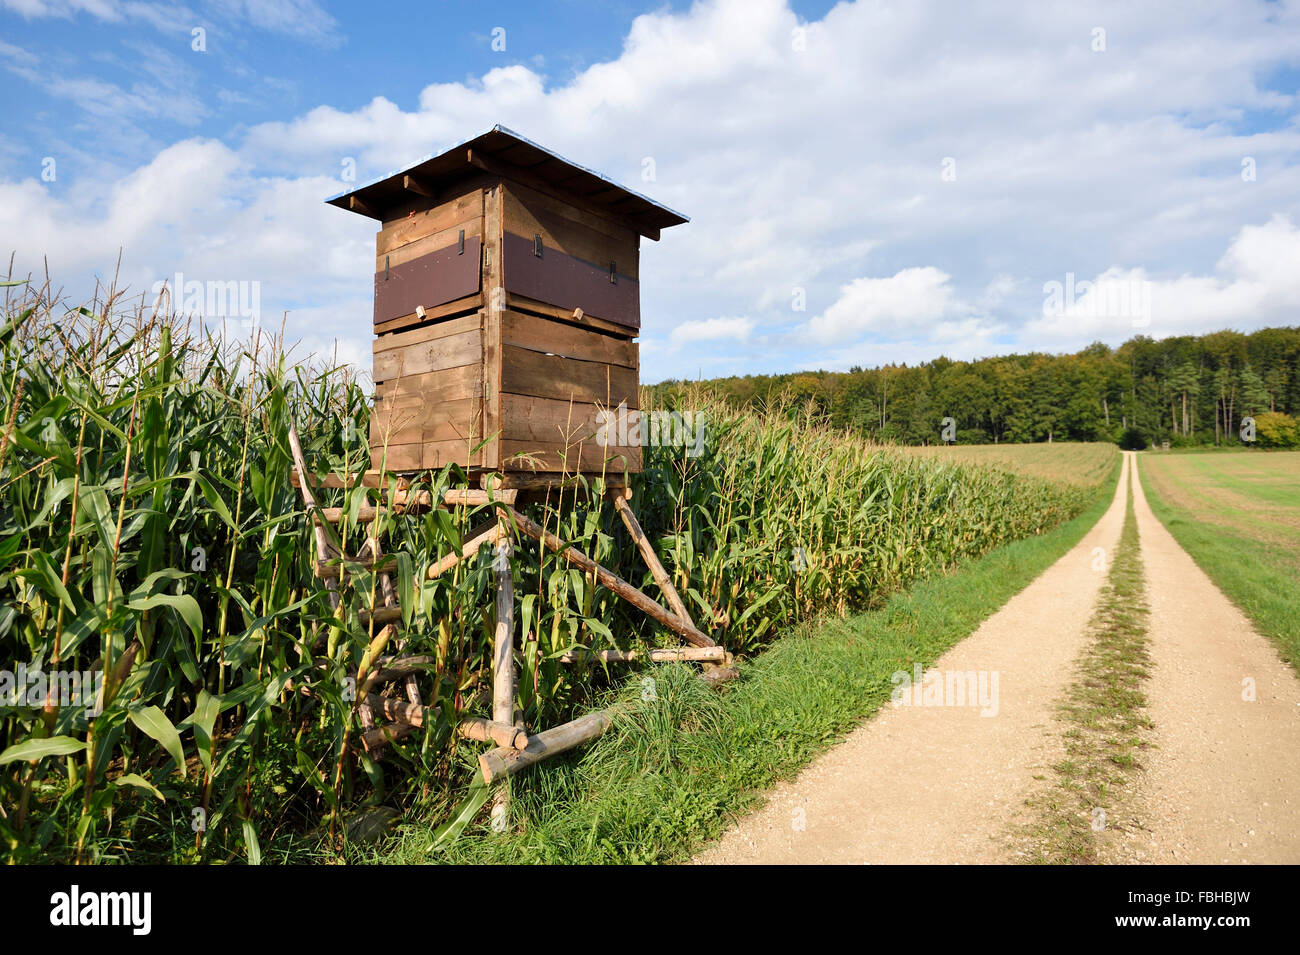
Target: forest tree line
1185,390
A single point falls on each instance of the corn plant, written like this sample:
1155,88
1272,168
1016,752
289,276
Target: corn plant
150,535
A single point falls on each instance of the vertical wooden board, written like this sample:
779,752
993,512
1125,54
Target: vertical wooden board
494,293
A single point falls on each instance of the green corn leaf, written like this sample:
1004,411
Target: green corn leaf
153,722
183,604
450,831
34,749
132,779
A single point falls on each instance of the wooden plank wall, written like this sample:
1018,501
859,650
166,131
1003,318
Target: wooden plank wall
539,381
577,251
555,379
429,395
417,262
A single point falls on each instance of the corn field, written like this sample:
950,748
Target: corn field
150,537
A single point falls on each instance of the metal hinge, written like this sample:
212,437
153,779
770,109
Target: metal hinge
537,244
460,247
613,272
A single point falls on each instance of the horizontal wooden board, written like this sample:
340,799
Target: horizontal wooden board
548,336
418,457
438,218
523,303
438,354
465,381
526,214
402,254
461,306
553,206
435,278
455,420
569,282
529,418
428,332
526,372
554,456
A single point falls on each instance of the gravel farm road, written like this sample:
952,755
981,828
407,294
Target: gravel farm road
949,783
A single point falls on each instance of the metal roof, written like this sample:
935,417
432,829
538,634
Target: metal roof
504,147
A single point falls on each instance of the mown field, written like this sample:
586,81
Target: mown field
1238,514
149,534
1084,464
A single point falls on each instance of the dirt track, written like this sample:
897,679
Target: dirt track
1223,783
943,784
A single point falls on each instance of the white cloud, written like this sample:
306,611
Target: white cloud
711,330
1256,282
899,303
817,169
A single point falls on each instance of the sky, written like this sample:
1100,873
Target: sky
867,182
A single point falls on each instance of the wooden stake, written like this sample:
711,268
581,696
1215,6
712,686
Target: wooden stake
501,762
651,558
611,581
503,655
468,549
663,655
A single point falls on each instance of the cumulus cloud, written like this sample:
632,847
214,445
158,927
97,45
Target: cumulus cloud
711,330
886,305
810,157
1256,282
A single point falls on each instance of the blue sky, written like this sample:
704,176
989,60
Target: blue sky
868,182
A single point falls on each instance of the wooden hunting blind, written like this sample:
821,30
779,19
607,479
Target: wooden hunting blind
507,306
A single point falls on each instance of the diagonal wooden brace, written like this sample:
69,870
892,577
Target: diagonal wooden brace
609,580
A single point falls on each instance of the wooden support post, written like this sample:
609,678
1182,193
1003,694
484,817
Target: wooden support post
469,727
648,554
611,581
503,649
503,664
501,762
473,497
662,655
337,568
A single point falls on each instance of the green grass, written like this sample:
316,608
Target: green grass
1238,515
677,768
1104,712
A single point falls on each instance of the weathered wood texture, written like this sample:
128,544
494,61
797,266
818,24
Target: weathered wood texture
506,761
503,387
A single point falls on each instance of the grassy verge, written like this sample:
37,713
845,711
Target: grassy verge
685,759
1253,559
1104,712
